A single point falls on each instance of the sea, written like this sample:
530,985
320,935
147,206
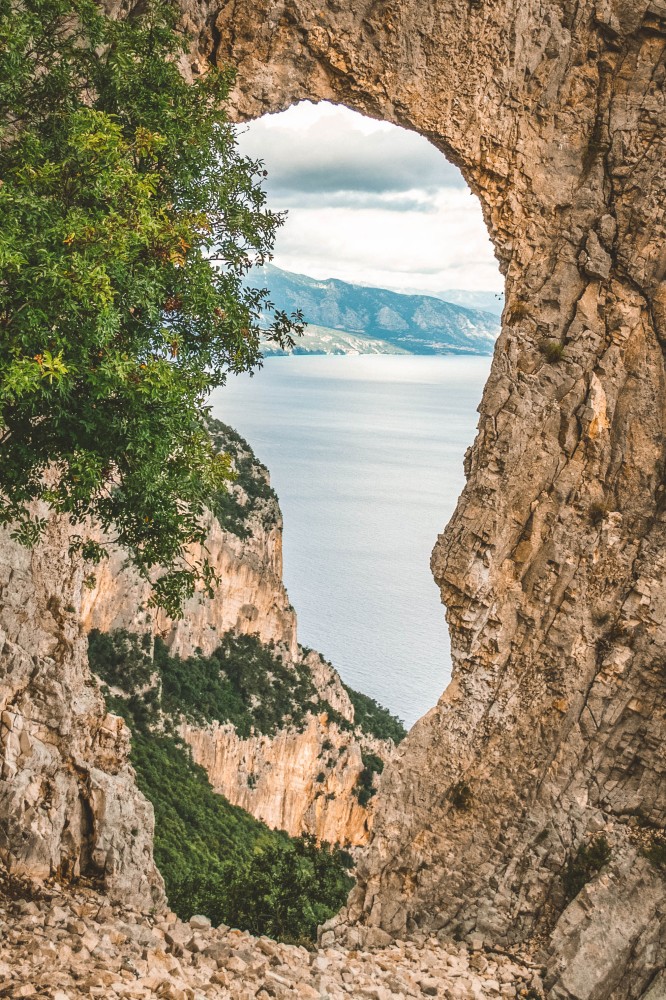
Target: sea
366,455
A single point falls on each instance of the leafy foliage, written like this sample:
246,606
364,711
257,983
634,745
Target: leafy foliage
215,858
364,789
234,508
588,860
284,890
128,221
374,719
243,682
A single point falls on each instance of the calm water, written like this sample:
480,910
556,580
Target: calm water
366,456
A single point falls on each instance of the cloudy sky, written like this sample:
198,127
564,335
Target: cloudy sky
369,202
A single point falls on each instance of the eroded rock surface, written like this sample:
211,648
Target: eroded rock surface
68,801
552,569
302,779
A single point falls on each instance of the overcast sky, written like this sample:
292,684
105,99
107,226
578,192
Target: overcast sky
369,202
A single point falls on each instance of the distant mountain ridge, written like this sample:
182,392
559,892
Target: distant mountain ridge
416,324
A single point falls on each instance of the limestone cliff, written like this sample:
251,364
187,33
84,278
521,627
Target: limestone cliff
245,548
303,779
552,569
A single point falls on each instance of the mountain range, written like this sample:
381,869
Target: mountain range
345,318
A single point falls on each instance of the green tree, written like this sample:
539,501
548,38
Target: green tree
128,221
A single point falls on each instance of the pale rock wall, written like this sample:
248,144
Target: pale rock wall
275,778
68,802
250,599
552,568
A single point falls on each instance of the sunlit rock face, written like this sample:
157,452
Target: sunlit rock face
69,805
552,568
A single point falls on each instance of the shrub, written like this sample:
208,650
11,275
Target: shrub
588,860
374,719
365,784
251,494
460,796
552,350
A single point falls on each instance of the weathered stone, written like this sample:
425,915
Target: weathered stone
69,806
200,923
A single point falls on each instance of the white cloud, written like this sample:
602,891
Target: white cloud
369,202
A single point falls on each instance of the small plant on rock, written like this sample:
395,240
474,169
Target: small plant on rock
655,851
597,512
588,860
460,796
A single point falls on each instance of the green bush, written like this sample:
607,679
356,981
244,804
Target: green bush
364,788
243,682
232,509
552,350
587,861
373,719
218,860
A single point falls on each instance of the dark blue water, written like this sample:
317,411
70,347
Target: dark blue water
366,456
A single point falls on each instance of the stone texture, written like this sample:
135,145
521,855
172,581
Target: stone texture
68,802
552,568
251,597
299,780
112,952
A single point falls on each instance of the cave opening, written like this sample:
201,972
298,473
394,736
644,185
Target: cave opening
365,428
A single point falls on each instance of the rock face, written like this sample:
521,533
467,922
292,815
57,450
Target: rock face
552,568
68,802
302,780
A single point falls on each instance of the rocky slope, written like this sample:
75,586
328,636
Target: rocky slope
552,568
81,947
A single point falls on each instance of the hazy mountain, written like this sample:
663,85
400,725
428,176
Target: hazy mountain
418,324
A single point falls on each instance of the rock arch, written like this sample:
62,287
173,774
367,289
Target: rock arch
552,568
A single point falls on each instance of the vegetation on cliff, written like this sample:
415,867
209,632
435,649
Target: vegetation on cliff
250,495
243,682
374,719
215,858
128,221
